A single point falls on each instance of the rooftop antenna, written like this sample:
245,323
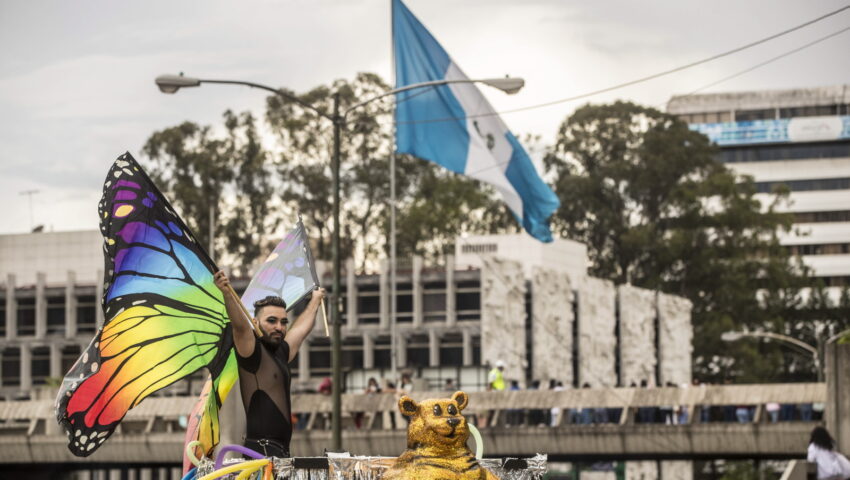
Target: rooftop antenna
29,193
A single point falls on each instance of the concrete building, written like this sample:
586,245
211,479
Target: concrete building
799,138
506,298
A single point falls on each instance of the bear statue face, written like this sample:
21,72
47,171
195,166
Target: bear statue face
436,423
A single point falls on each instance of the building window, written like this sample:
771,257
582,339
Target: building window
839,281
821,217
383,358
320,357
2,315
451,350
55,315
87,313
11,367
820,249
368,304
479,248
809,111
40,365
352,353
404,303
759,114
434,305
806,185
785,151
707,117
70,354
476,350
418,352
26,317
468,300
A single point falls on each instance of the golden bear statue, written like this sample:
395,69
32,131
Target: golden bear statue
436,443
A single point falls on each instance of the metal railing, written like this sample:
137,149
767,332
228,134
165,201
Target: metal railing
153,430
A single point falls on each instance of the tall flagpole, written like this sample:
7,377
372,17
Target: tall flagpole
393,305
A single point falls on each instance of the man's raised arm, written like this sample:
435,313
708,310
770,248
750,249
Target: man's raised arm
302,327
243,334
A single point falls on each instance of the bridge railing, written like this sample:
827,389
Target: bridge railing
162,414
154,430
371,410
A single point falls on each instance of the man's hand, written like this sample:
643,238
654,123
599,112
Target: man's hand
222,282
318,295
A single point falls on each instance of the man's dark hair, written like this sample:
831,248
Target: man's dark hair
271,300
822,439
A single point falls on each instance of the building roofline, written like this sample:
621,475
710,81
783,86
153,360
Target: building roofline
757,99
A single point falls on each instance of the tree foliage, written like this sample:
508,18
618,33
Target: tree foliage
221,178
434,205
255,188
657,210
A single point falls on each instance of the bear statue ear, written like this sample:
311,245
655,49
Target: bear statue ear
461,398
407,406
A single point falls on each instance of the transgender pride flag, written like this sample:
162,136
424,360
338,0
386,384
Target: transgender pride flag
454,126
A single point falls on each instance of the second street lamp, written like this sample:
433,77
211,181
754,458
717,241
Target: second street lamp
815,351
172,83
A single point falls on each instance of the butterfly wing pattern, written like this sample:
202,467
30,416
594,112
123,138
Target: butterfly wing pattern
165,318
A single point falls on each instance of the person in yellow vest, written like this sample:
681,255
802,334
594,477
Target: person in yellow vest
496,377
495,383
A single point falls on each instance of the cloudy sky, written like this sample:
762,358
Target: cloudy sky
76,78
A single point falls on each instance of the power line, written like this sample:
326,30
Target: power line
643,79
766,62
750,69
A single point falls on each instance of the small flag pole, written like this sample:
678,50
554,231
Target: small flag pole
325,318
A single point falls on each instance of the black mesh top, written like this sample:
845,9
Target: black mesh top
264,380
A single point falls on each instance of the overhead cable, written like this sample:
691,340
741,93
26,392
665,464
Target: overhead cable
646,78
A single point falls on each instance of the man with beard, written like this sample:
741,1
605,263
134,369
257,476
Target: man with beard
264,375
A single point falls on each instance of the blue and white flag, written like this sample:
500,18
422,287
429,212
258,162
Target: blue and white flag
454,126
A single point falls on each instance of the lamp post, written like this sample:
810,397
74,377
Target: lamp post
172,83
816,352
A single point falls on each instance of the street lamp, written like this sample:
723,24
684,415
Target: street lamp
816,352
172,83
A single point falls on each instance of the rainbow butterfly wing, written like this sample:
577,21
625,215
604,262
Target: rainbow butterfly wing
203,425
165,316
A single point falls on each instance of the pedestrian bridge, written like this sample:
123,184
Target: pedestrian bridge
152,433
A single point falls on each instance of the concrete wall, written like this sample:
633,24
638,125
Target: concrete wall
54,254
503,315
637,335
552,326
677,470
647,470
596,325
563,255
838,394
675,336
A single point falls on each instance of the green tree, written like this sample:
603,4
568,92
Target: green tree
225,178
433,205
657,210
